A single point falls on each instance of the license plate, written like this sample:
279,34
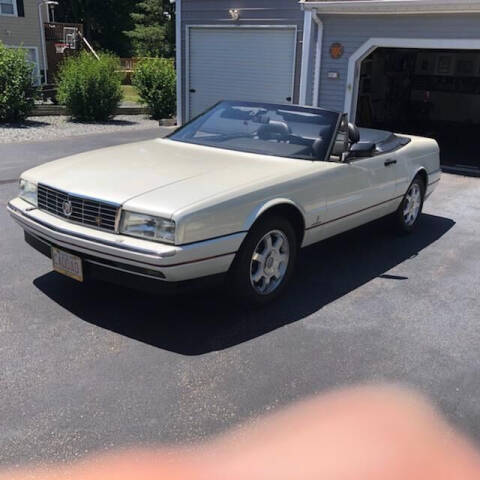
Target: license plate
67,264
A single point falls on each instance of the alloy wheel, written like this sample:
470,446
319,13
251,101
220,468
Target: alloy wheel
413,203
269,262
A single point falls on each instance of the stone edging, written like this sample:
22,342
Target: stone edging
47,110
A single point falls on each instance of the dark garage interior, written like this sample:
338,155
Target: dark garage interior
433,93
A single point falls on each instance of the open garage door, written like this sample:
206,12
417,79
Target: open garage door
434,93
248,63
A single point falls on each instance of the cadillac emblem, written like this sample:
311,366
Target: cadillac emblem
67,208
336,50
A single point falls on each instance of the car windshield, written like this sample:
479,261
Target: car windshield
267,129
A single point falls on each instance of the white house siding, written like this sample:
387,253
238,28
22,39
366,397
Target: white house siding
252,12
354,30
18,31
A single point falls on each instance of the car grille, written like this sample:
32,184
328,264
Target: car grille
84,211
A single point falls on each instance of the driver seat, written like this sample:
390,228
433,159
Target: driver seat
318,146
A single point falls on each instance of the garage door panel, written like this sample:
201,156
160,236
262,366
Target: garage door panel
240,64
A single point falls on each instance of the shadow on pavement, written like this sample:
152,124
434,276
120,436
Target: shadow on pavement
204,321
111,121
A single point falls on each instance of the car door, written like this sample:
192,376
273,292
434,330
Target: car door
360,190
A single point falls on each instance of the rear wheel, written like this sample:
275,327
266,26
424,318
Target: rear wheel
264,264
410,209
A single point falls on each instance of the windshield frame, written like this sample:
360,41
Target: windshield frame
273,106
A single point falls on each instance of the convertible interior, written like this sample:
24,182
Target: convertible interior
286,131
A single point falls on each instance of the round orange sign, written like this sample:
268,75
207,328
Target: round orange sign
336,50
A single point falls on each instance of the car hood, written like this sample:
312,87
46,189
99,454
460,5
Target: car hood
160,176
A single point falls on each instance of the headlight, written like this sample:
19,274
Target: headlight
28,191
147,226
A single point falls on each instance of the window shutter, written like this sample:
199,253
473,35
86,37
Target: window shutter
20,8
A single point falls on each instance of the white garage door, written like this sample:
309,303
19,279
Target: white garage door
254,64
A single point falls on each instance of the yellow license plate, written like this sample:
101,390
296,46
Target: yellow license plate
67,264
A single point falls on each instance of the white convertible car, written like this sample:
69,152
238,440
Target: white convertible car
235,192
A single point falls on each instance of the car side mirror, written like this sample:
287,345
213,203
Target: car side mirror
361,150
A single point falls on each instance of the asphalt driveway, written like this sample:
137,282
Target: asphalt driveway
93,367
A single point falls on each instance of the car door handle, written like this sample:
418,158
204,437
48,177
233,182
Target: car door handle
192,90
390,162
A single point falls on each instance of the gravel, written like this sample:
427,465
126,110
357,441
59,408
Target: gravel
45,128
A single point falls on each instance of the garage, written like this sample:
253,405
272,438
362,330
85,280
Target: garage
430,92
241,63
411,66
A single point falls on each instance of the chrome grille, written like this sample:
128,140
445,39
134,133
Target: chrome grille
85,211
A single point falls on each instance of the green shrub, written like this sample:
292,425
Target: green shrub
17,92
155,81
90,88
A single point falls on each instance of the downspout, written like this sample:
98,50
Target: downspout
42,38
318,58
178,58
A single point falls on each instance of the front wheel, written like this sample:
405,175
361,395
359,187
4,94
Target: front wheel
410,209
264,264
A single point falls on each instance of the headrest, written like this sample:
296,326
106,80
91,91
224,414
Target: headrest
274,131
318,148
353,133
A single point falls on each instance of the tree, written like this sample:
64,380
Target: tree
153,34
104,22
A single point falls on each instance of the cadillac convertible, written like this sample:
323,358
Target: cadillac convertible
236,193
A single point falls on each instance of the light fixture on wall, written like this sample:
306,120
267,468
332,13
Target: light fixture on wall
234,13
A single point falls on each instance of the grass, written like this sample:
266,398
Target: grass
130,94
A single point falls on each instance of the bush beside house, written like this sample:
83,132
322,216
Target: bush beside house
155,81
90,88
17,92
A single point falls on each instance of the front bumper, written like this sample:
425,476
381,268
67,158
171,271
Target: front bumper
119,253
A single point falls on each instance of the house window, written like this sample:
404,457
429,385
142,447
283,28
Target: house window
8,7
32,57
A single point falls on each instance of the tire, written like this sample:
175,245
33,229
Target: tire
410,210
258,281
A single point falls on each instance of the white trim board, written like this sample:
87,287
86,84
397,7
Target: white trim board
232,27
312,69
370,45
392,7
305,65
178,59
318,60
